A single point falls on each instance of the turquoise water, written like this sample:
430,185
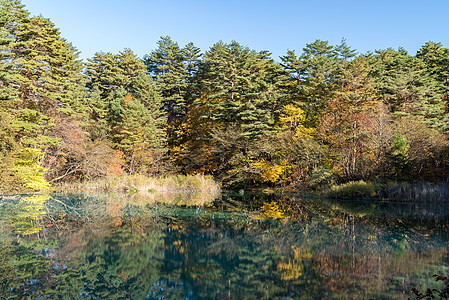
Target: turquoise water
110,246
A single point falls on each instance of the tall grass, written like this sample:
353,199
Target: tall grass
392,191
419,192
141,190
143,184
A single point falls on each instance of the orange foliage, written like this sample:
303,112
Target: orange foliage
115,165
348,119
128,98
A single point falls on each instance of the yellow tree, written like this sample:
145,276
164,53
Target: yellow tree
194,154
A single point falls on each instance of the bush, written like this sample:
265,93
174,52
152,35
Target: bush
431,294
319,178
353,189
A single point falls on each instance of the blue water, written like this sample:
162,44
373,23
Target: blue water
113,247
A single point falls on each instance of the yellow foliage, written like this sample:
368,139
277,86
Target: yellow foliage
293,269
38,200
193,135
26,221
290,270
272,173
295,118
301,254
128,98
28,169
272,210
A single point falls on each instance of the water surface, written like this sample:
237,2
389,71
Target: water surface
109,246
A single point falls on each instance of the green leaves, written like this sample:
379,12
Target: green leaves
125,101
240,86
314,76
215,112
399,157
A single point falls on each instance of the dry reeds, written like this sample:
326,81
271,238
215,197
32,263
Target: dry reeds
415,192
177,190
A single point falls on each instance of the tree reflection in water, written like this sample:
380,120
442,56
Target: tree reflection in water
115,246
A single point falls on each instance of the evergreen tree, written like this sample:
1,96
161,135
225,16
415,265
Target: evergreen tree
6,98
406,87
192,59
47,72
436,60
126,108
240,85
313,76
43,77
167,66
103,73
399,158
344,51
238,103
7,143
192,56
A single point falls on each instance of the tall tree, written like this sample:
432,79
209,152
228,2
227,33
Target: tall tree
238,102
167,66
347,121
7,142
313,76
406,87
436,60
48,73
240,85
126,107
45,78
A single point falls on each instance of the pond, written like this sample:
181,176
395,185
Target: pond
114,246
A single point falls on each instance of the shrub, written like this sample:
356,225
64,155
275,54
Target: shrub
353,189
319,178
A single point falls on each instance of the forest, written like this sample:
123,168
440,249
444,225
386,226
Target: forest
315,116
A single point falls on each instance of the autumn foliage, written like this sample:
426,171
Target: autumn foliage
325,115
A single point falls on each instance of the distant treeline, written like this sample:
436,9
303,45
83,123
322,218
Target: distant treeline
322,114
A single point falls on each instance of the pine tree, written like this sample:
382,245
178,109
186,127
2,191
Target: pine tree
313,76
240,85
167,66
126,108
43,80
436,60
7,142
192,59
406,87
6,97
192,56
47,72
399,158
238,102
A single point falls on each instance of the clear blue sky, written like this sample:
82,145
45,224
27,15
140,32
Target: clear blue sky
112,25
